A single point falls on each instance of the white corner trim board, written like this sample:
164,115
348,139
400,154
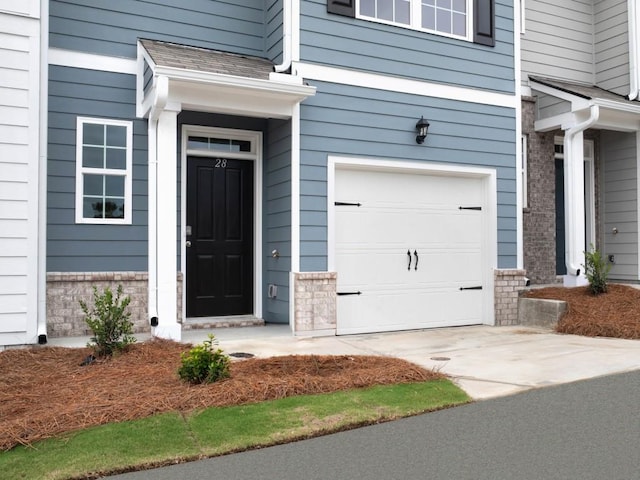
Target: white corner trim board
404,85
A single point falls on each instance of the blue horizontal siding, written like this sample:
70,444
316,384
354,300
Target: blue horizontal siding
360,122
112,28
273,35
91,248
378,48
277,218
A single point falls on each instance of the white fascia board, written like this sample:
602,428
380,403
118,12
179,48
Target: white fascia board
552,123
626,107
517,31
403,85
287,88
577,103
90,61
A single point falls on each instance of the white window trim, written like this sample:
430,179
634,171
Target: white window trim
415,18
127,173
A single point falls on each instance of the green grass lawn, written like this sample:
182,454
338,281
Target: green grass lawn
172,437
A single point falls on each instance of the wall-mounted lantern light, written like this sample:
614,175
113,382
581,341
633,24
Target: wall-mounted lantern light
422,127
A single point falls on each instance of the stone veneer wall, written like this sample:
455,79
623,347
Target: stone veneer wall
539,218
508,285
65,290
315,302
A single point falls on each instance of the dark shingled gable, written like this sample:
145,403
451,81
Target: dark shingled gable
204,60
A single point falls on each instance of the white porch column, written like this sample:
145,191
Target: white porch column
574,209
166,223
574,196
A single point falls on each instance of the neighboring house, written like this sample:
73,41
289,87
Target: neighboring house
580,123
240,162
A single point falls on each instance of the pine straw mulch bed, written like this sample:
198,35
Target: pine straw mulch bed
44,392
615,313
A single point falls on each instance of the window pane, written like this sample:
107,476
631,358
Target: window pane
444,4
459,24
428,2
443,21
198,143
240,146
116,136
114,186
385,9
92,134
368,8
460,5
402,11
93,185
114,208
93,157
116,158
428,17
92,208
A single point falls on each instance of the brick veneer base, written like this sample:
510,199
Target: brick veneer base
65,290
507,287
315,302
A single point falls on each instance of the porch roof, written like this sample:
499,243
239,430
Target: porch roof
181,77
165,54
616,112
589,92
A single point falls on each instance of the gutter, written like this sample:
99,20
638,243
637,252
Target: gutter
573,186
287,27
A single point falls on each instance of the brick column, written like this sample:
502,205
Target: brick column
508,284
315,303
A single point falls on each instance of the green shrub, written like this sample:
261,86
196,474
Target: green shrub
596,269
204,363
109,322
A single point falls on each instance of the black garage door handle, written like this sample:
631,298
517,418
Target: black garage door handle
415,254
409,255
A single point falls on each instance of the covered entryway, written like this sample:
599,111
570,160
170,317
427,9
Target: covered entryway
219,237
224,244
411,249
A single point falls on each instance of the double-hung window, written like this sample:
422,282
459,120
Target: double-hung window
471,20
449,17
103,171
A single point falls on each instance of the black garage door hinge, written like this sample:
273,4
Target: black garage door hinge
469,208
341,294
346,204
479,287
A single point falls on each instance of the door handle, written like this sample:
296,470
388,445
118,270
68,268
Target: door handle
415,254
187,243
409,255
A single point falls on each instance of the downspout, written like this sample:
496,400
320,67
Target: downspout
160,101
634,50
287,23
42,174
574,191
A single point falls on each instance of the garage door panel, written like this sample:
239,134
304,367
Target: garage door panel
401,212
437,308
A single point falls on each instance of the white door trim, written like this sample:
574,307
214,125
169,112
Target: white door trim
490,230
255,155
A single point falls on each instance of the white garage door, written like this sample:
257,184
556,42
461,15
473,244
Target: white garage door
408,250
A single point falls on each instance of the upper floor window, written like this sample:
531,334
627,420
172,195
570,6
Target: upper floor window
103,171
472,20
442,16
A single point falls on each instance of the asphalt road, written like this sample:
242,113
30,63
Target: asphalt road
585,430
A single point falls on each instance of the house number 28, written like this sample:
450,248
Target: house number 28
221,163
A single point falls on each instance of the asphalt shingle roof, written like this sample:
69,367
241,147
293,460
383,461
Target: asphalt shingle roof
205,60
589,92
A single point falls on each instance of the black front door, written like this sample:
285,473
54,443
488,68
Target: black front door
220,243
